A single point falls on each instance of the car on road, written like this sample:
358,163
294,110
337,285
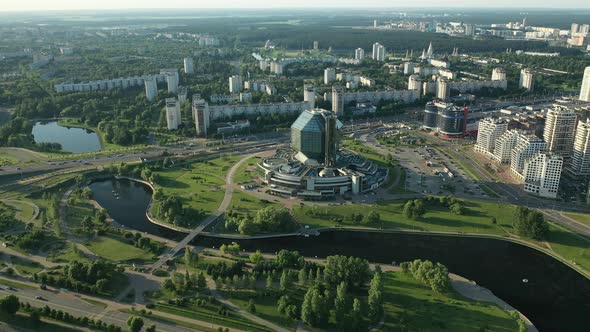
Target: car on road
41,298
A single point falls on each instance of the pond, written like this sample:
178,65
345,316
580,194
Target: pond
555,298
76,140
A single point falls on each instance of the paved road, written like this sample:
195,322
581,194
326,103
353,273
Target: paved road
75,305
220,211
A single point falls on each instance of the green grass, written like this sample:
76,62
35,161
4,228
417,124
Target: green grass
24,211
156,317
116,250
477,219
7,161
25,266
15,284
573,247
22,321
77,211
94,302
247,172
209,313
266,306
199,184
580,217
410,306
66,253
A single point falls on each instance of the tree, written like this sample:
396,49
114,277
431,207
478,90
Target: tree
190,258
201,281
290,259
135,324
375,298
356,315
35,317
340,304
285,281
302,276
372,218
251,307
457,208
151,328
87,223
9,305
353,271
530,223
307,315
256,257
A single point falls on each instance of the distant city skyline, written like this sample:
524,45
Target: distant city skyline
37,5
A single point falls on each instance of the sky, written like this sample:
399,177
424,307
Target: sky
43,5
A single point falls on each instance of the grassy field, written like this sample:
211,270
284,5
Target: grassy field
200,184
24,212
411,306
22,322
7,161
477,219
116,250
77,211
208,313
246,173
580,217
66,253
25,266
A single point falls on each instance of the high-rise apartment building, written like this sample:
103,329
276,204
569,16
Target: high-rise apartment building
378,52
189,67
560,128
504,145
443,89
337,101
415,83
580,165
201,115
173,117
488,132
151,88
499,74
329,75
359,54
235,84
309,95
526,147
172,79
542,173
585,90
527,79
316,45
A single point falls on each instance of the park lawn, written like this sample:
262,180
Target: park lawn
200,184
77,211
24,212
160,318
7,160
580,217
25,266
208,313
573,247
23,322
247,204
477,219
411,306
247,172
266,305
68,254
118,251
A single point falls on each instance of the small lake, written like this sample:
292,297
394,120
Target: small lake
76,140
126,201
555,298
